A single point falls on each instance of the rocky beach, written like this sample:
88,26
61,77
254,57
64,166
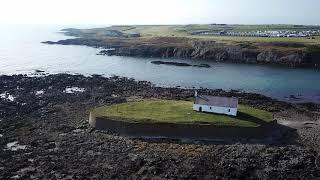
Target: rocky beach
45,135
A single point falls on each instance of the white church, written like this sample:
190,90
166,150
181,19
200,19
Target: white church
214,104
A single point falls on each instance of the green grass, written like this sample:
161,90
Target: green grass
262,39
186,31
158,30
165,111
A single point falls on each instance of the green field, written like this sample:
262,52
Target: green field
165,111
187,30
185,35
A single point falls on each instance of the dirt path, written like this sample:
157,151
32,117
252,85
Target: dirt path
299,124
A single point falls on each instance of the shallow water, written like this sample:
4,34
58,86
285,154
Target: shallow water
22,52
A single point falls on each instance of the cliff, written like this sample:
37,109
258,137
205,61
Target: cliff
289,54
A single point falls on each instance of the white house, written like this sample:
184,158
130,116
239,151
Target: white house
214,104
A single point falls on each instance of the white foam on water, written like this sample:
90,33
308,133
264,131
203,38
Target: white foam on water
1,135
7,96
14,146
71,90
16,177
38,93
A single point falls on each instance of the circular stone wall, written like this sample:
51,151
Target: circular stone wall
176,131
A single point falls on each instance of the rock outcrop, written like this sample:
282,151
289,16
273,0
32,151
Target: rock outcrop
47,136
166,47
180,64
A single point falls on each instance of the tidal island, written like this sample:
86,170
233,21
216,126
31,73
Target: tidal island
178,119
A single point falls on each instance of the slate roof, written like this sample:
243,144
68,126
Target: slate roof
230,102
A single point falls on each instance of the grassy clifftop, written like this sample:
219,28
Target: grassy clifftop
190,31
180,112
191,41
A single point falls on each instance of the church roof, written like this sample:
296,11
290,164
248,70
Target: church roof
230,102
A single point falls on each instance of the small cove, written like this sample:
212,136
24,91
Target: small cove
22,53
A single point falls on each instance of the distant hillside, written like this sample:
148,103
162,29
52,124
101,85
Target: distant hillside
217,42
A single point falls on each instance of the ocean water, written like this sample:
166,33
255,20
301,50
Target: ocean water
21,52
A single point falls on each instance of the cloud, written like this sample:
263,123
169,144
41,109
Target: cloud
157,11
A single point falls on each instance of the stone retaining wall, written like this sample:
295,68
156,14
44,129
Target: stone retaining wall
192,131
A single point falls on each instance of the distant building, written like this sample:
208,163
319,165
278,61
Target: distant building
214,104
260,33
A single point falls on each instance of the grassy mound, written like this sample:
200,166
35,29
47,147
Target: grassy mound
165,111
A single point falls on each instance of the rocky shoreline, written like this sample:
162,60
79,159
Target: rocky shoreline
180,64
283,54
45,135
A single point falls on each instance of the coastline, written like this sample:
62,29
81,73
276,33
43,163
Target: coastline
205,50
187,46
144,89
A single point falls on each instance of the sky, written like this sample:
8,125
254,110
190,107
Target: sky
159,11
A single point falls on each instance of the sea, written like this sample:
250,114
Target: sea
21,52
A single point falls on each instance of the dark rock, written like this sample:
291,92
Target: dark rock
210,50
60,147
293,97
39,71
170,63
202,66
180,64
